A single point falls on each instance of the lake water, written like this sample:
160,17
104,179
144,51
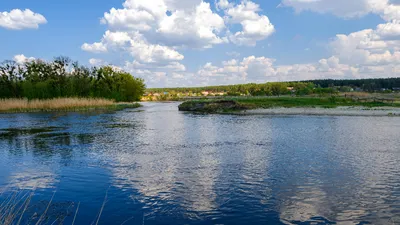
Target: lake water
156,165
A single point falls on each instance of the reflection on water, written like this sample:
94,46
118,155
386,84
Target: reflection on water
32,180
160,166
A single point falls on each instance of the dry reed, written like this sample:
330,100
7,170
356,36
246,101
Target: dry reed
59,104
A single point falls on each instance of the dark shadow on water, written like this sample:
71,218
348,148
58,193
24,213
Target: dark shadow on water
44,142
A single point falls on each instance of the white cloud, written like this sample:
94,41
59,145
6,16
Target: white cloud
367,47
197,29
96,47
341,8
151,34
97,62
151,53
223,4
17,19
21,59
135,44
170,67
190,23
262,69
388,10
126,19
250,69
255,27
389,30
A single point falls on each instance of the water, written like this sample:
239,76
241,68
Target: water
156,165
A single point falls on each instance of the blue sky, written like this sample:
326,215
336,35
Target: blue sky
285,39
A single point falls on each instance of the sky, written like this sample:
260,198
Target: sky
175,43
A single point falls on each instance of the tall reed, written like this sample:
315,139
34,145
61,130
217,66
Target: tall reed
58,104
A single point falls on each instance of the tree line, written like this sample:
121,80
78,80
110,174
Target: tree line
298,87
62,77
266,89
368,85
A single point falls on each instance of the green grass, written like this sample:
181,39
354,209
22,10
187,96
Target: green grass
308,102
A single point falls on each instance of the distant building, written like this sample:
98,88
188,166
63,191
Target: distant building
205,93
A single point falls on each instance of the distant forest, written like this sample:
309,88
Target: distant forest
63,78
301,87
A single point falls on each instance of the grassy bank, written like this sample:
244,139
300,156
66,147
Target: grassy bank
61,104
236,104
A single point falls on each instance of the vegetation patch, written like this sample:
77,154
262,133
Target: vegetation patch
61,104
238,104
219,106
62,78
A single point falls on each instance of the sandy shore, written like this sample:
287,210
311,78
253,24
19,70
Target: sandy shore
339,111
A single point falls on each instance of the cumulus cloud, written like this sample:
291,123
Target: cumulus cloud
262,69
199,28
135,44
97,62
151,35
342,8
365,53
389,30
169,22
169,67
21,59
368,47
255,27
387,9
96,47
18,19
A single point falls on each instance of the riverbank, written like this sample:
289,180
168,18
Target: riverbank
339,111
294,106
61,104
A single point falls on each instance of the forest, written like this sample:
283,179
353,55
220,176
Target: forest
63,78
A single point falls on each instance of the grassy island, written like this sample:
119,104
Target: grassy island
247,103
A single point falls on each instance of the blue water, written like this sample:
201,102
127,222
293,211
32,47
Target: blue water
155,165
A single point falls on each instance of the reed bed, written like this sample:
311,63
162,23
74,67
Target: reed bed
58,104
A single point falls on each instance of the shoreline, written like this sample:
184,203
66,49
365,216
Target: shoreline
76,109
339,111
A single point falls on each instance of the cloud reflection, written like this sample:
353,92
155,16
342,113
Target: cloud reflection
32,179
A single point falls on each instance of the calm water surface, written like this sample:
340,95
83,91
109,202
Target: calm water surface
156,165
